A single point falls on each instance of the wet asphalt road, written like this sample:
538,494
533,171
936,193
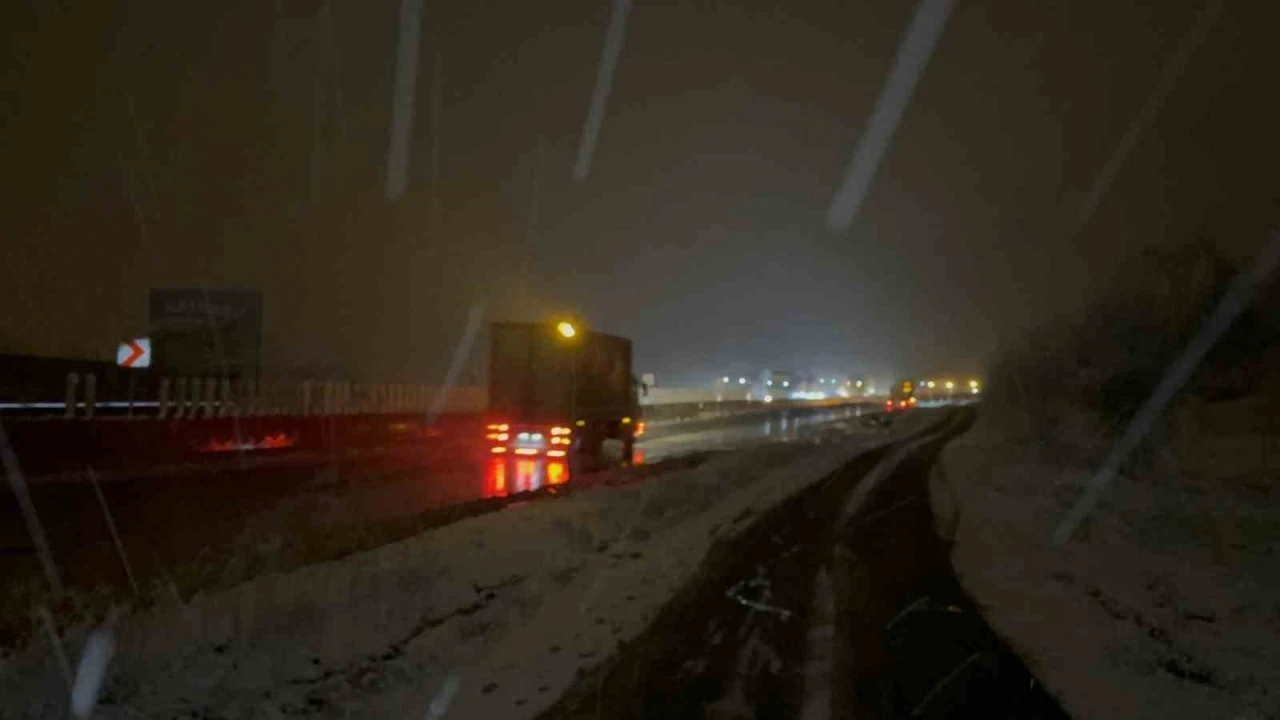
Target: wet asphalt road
197,517
192,522
739,431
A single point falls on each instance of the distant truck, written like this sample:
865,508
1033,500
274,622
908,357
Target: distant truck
557,391
902,396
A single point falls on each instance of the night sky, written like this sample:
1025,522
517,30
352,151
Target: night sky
244,144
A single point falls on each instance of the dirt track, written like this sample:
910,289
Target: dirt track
816,612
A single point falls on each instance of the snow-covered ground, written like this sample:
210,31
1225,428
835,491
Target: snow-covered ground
1167,603
488,617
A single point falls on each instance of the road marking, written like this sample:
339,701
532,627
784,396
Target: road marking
882,471
820,664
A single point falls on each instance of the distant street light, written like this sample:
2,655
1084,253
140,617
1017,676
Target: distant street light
742,381
973,384
931,384
567,331
724,379
950,385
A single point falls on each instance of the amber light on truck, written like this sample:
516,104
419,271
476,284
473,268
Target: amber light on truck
555,453
500,427
560,431
639,429
497,449
497,436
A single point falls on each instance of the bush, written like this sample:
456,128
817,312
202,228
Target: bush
1079,381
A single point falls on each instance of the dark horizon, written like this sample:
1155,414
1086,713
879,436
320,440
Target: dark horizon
239,146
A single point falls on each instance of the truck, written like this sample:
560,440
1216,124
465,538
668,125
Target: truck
902,396
559,391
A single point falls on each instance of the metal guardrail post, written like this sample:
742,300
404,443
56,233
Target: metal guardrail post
210,396
70,409
238,395
163,410
132,388
226,405
264,397
90,394
250,398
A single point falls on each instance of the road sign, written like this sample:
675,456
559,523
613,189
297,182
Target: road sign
206,330
135,353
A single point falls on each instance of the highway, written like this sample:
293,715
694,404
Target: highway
894,619
838,602
731,432
199,515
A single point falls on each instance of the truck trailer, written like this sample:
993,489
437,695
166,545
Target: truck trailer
558,391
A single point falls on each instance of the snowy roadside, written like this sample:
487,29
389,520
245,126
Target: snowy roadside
493,616
1166,604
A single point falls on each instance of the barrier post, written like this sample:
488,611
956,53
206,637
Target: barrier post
163,410
90,394
210,396
225,403
72,381
251,398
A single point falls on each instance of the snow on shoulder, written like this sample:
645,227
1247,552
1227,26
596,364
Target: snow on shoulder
1166,603
493,616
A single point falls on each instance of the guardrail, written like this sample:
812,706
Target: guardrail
212,397
187,397
122,446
